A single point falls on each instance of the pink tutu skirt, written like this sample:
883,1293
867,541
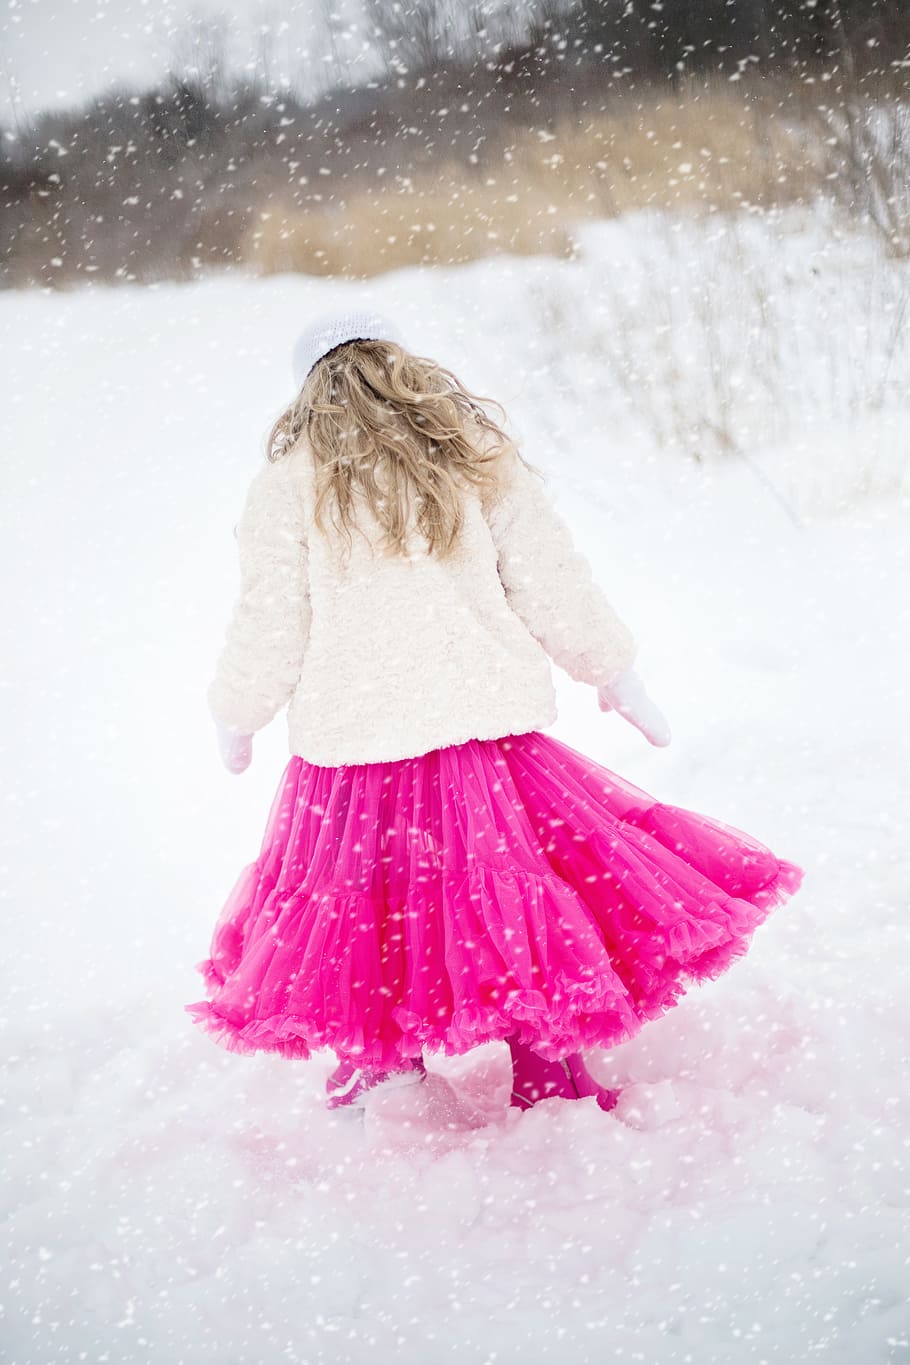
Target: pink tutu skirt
486,888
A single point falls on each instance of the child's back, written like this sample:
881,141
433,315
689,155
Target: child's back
387,655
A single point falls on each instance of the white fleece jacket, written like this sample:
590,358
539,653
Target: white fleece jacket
387,658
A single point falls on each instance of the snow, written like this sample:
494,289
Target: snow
169,1203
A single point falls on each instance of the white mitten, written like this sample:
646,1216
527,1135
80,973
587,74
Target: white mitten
627,696
236,748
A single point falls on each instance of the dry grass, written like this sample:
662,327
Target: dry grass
444,221
705,150
361,198
700,151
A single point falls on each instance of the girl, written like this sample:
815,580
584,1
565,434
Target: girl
436,871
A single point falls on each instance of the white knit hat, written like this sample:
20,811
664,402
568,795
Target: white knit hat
331,330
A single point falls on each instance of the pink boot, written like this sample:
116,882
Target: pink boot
586,1085
349,1083
534,1079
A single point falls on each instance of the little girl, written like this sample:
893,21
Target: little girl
436,871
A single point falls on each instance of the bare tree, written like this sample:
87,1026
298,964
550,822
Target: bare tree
199,55
860,148
333,27
413,35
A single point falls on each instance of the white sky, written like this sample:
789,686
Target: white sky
58,52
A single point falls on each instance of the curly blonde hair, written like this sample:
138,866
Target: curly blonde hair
402,431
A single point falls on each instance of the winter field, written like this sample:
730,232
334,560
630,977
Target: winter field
166,1202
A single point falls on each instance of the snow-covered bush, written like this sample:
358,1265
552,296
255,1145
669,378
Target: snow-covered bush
742,336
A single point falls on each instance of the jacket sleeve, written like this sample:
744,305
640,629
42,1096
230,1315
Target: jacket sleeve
260,662
549,583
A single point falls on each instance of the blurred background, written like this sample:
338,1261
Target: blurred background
761,146
353,136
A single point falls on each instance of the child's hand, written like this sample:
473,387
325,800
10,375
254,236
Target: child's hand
236,748
626,695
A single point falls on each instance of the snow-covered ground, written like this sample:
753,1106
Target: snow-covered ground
168,1203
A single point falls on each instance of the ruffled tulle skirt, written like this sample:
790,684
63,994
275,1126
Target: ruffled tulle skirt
485,888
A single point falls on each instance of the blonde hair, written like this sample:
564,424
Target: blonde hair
372,408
